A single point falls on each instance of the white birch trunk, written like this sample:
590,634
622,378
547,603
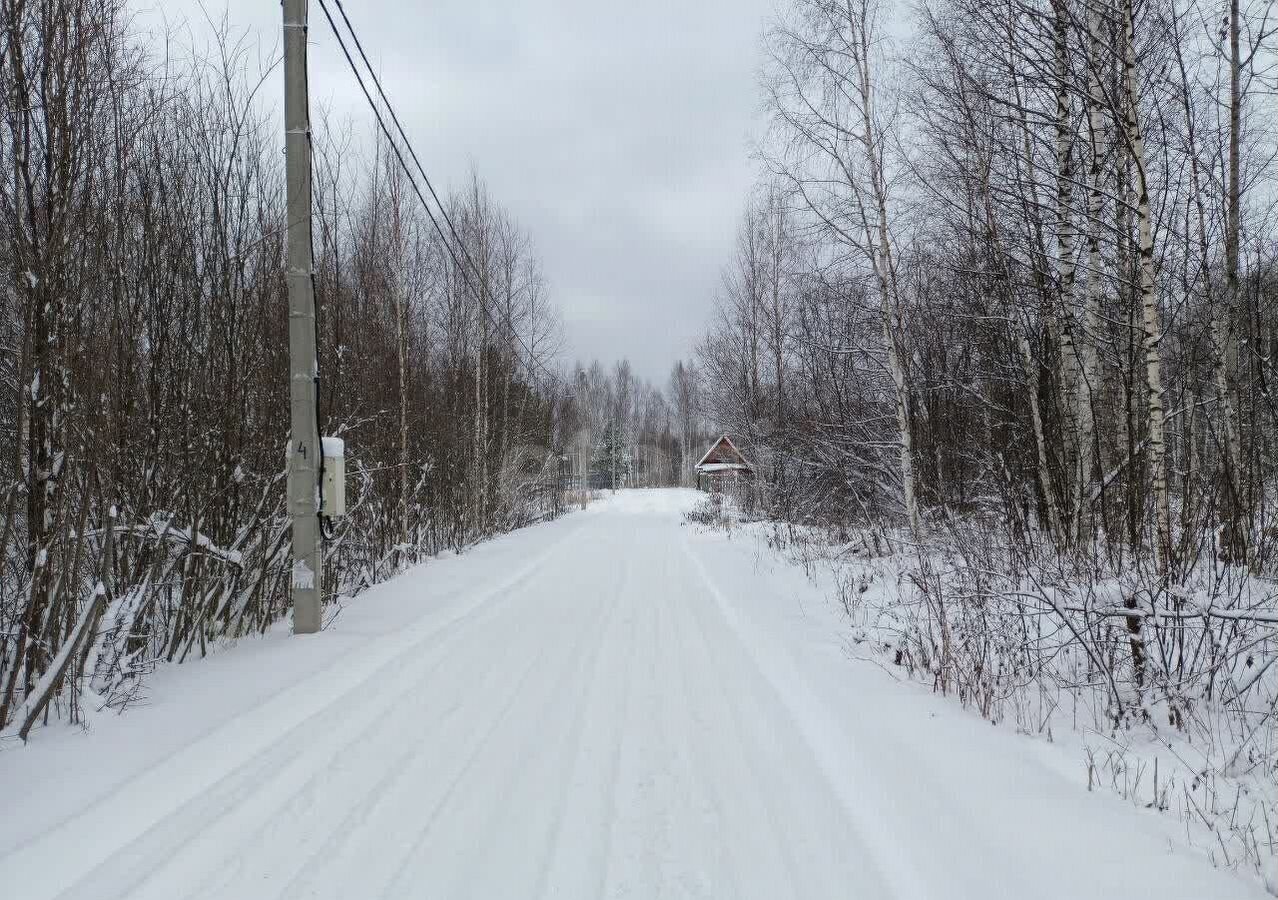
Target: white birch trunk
1150,318
401,328
1033,370
1089,370
1224,315
1071,371
885,271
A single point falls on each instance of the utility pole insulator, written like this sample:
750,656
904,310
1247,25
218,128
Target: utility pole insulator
305,453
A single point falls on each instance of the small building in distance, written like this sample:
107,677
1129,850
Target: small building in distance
724,468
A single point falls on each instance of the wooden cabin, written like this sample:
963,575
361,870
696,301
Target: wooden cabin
724,468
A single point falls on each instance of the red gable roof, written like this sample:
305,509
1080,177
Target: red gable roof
724,453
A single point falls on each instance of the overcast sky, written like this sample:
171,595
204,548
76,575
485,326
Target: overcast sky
616,131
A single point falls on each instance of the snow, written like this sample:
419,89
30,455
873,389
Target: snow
723,467
333,447
614,704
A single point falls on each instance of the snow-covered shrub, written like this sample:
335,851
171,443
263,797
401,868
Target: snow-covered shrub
1168,691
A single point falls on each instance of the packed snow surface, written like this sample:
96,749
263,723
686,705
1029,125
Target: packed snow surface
612,705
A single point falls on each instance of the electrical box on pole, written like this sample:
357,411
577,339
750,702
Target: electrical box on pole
333,496
304,451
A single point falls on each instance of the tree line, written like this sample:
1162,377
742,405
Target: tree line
143,357
1025,267
619,430
1005,300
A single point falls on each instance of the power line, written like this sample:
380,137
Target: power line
377,83
532,360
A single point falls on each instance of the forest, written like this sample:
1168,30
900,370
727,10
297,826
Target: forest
1004,303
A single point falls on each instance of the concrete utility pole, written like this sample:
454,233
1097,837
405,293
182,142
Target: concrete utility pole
303,367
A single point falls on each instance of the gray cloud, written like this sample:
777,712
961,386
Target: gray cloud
616,132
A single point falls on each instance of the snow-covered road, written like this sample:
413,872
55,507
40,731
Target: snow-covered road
611,705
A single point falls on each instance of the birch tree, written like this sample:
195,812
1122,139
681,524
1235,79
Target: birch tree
833,145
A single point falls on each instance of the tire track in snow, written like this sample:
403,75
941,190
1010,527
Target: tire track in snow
405,727
602,870
415,779
688,731
397,885
542,741
671,818
309,882
885,854
741,737
403,768
760,847
593,688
